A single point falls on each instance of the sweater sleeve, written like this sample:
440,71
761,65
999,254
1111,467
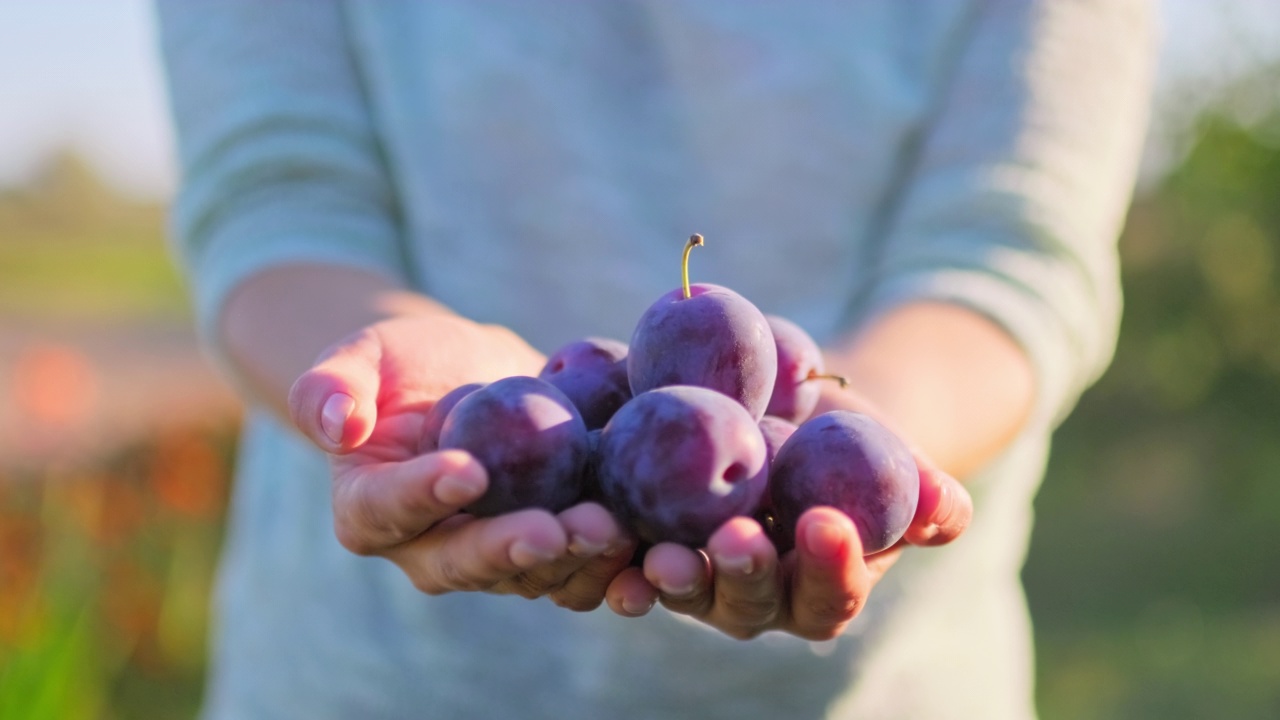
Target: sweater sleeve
279,157
1019,187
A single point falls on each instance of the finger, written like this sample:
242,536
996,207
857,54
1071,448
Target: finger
592,531
586,588
943,511
682,577
629,594
464,553
335,403
879,563
830,583
387,504
747,584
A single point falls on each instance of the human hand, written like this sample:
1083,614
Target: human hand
739,585
365,400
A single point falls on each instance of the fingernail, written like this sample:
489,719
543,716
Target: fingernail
333,418
675,591
946,504
584,548
824,540
527,555
457,489
736,564
632,607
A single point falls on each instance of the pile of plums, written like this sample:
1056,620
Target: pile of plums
703,417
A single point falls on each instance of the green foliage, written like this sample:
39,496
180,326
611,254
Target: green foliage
72,250
1151,577
106,577
53,675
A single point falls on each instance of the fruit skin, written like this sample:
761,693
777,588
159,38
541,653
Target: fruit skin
679,461
591,469
592,372
775,431
848,461
794,394
713,339
529,438
431,424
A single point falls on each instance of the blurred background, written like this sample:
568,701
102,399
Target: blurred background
1153,574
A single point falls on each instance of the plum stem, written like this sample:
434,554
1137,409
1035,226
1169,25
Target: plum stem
694,241
815,375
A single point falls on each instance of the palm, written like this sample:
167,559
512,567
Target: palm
394,439
412,375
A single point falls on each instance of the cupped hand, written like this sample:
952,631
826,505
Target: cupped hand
739,585
365,400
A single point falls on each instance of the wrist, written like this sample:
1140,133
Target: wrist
277,322
945,378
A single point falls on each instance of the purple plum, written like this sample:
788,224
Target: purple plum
530,439
704,335
679,461
430,439
593,373
775,431
795,394
714,339
591,469
848,461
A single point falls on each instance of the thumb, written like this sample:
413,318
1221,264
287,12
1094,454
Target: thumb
335,403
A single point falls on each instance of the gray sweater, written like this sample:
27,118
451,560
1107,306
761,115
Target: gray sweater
538,165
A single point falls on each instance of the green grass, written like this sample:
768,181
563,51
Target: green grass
99,281
72,250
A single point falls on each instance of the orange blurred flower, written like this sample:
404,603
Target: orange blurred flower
55,386
187,475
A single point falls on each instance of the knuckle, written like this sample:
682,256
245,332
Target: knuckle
576,601
750,610
452,576
531,586
743,632
426,586
833,611
822,633
352,539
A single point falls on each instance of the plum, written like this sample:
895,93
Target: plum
775,431
429,441
591,468
848,461
705,335
592,372
679,461
795,394
530,439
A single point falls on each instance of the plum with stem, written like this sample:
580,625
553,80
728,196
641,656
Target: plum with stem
800,364
705,335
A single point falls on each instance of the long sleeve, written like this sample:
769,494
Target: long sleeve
280,160
1020,184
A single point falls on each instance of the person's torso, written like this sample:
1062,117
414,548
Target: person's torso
551,160
561,153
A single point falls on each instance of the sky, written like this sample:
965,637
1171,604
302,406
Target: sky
85,74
